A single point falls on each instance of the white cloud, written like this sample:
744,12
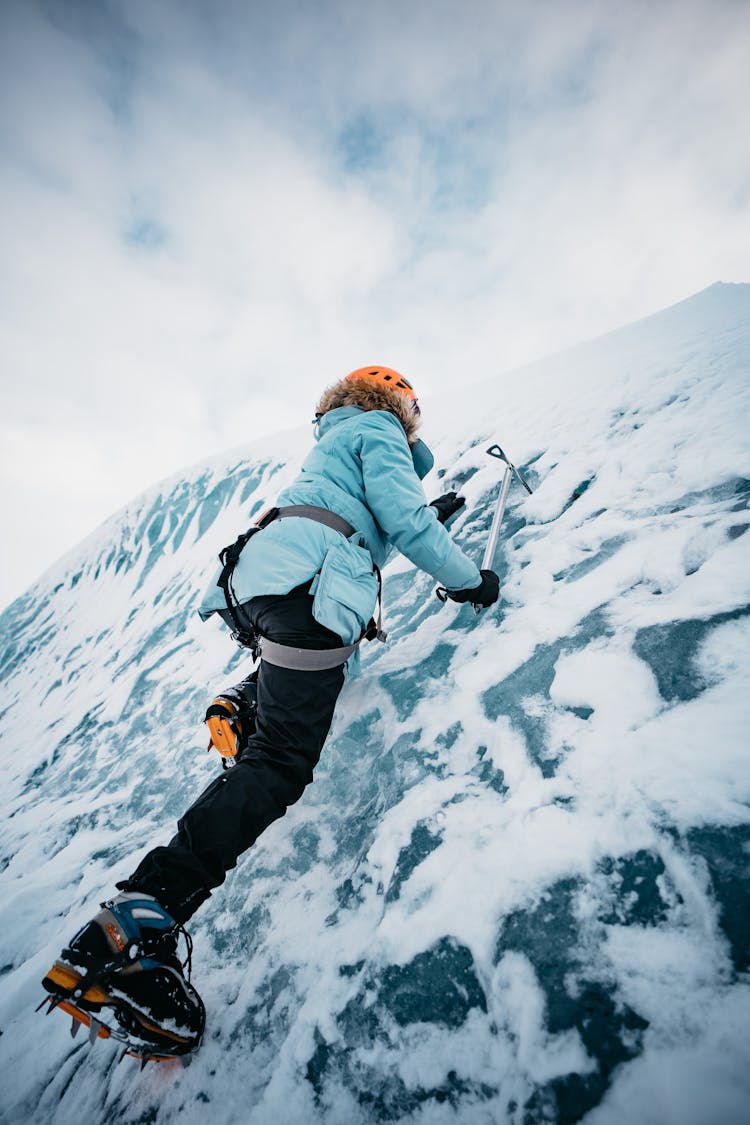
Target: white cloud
213,210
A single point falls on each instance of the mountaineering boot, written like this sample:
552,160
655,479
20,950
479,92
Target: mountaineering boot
121,976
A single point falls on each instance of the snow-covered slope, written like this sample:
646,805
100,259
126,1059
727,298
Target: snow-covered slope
518,888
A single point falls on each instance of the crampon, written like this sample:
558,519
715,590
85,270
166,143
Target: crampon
134,1046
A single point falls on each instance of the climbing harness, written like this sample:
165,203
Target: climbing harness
288,656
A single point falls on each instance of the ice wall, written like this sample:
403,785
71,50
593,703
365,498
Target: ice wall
518,888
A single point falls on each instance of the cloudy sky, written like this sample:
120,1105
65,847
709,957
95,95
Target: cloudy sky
211,210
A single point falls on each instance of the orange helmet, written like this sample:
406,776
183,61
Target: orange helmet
386,377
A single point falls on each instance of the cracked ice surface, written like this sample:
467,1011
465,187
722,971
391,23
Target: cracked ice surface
518,888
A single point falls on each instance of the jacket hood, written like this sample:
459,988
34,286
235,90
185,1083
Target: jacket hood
370,396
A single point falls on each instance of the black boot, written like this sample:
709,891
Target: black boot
121,975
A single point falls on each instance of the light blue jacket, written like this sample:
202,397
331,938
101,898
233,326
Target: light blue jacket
363,469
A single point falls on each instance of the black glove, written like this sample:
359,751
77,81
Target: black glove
485,594
447,506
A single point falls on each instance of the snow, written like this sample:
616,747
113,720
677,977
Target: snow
518,888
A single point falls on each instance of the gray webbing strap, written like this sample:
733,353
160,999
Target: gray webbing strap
303,659
320,515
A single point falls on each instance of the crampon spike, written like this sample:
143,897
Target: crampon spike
95,1026
75,1027
145,1056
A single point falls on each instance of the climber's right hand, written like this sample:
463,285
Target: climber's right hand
485,594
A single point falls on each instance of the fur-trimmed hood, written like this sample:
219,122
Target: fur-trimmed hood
371,396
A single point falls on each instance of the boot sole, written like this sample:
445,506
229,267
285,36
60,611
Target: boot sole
60,982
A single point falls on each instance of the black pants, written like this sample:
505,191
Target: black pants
295,710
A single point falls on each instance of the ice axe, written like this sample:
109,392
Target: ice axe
497,518
502,500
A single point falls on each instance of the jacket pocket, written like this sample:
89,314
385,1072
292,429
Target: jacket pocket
345,591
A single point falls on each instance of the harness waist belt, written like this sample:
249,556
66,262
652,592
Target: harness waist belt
320,515
303,659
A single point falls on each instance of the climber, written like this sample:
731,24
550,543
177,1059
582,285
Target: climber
302,590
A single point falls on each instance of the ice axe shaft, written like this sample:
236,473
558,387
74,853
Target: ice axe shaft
497,519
